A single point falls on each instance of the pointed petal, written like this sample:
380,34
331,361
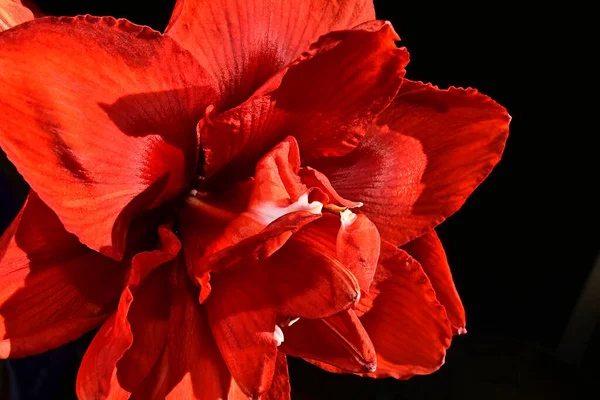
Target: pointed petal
15,12
244,43
129,343
54,289
295,281
339,340
429,252
326,100
430,149
407,325
280,387
108,110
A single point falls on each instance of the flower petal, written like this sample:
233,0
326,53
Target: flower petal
54,289
407,325
278,205
190,366
313,178
244,43
15,12
428,152
295,281
326,100
280,387
129,343
242,318
99,117
339,340
429,252
352,240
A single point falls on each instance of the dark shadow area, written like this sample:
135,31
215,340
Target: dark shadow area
477,367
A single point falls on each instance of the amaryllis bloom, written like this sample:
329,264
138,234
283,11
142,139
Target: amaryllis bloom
258,181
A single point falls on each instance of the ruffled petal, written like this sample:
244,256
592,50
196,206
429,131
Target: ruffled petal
428,152
407,325
99,117
429,252
326,100
244,43
190,366
127,346
339,340
54,289
294,282
15,12
278,205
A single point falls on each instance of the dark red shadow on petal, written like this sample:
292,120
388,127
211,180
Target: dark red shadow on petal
137,115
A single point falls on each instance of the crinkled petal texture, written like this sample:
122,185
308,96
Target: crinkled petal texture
408,326
53,289
429,252
108,128
15,12
326,100
244,43
425,155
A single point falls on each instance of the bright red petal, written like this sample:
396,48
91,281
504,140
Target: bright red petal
242,319
99,117
326,100
407,325
351,239
430,149
244,43
190,366
15,12
278,205
339,340
280,387
296,281
53,289
129,343
429,252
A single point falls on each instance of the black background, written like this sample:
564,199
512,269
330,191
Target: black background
522,246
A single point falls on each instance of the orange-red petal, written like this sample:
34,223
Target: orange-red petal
53,289
326,100
429,252
99,117
427,153
244,43
339,340
246,303
407,325
127,346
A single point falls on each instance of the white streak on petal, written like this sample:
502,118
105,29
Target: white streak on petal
278,334
269,212
347,217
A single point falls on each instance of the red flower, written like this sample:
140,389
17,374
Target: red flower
227,193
